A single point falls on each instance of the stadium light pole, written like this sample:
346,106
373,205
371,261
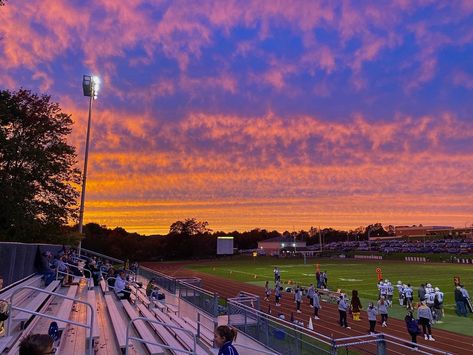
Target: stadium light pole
90,87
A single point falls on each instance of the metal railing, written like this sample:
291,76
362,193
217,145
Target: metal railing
289,338
89,279
166,282
68,321
248,299
103,256
161,345
200,325
200,298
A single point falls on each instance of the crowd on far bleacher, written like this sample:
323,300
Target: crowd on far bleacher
451,246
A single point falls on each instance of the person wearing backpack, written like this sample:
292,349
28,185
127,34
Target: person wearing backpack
412,328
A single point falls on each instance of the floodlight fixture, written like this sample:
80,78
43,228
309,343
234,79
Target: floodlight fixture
91,86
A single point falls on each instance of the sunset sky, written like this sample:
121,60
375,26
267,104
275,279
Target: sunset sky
271,114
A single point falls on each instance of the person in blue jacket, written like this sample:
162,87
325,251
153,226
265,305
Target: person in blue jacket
223,338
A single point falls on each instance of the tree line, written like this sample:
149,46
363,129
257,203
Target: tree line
198,241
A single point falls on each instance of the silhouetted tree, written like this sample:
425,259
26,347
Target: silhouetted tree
189,227
37,173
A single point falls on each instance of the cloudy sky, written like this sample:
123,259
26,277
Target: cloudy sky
271,114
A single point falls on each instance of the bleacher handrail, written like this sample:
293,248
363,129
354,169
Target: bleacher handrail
201,324
67,321
16,283
162,345
103,256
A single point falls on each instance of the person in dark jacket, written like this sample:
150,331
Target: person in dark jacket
421,292
355,305
43,267
223,338
459,301
412,327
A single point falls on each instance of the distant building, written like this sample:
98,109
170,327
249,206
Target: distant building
432,231
466,232
274,246
421,231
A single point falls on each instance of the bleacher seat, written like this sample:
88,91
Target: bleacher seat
142,329
66,307
93,301
36,302
163,333
181,334
119,325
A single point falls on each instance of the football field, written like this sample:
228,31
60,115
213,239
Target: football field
351,274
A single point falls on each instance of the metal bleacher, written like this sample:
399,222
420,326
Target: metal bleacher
94,320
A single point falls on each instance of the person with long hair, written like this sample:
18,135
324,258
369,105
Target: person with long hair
383,310
223,338
424,314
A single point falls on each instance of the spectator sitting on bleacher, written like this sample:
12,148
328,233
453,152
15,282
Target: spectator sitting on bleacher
110,277
121,289
150,287
223,338
92,266
36,344
45,269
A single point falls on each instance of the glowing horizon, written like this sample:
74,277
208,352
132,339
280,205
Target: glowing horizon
275,115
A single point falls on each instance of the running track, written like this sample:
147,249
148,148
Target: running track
328,324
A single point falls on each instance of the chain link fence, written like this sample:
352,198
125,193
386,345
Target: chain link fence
200,298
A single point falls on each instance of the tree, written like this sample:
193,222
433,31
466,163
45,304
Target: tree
38,178
189,227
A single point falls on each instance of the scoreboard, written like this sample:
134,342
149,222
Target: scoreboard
225,245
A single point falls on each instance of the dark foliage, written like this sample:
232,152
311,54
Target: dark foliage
37,174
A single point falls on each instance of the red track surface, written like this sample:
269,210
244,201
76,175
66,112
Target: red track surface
328,324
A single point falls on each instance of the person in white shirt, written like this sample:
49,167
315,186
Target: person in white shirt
390,293
400,290
438,304
121,290
409,296
466,298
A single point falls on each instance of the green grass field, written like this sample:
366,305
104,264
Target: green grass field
353,274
